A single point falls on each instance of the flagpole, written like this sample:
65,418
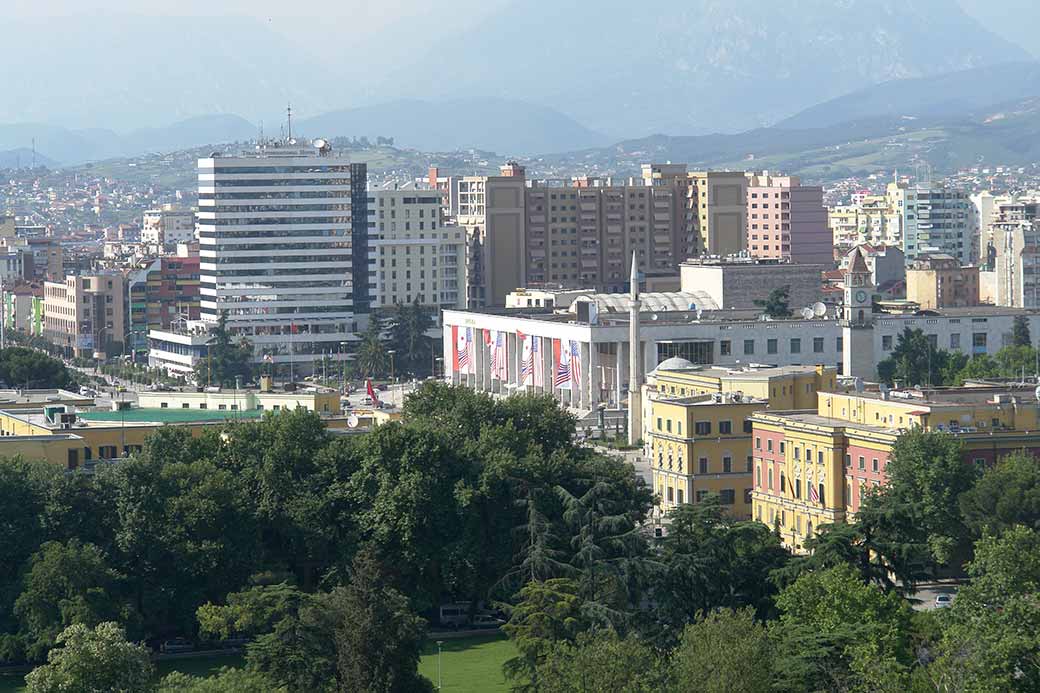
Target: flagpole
291,350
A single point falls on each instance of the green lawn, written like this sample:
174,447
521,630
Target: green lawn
469,665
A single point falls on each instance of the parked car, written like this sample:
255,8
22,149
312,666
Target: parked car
943,601
175,645
486,621
367,401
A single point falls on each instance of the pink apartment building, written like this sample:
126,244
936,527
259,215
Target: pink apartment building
787,220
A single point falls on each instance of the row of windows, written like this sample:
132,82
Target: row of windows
772,346
701,428
727,496
795,486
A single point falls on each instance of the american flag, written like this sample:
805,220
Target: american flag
813,495
462,345
526,360
562,376
575,349
498,355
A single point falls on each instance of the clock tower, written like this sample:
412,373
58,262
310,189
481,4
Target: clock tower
857,319
859,289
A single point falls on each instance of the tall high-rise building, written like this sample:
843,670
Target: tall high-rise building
283,252
787,220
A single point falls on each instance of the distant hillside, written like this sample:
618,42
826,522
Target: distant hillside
499,125
22,157
64,146
941,96
1001,134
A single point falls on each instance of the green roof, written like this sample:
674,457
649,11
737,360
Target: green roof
169,415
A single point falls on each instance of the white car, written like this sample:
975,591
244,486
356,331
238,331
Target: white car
943,601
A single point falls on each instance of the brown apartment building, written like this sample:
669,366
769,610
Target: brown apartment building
582,232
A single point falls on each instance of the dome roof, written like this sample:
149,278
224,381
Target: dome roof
676,363
651,302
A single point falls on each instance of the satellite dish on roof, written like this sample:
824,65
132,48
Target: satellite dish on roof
319,143
819,309
807,313
1037,392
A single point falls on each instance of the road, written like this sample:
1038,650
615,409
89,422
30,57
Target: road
923,599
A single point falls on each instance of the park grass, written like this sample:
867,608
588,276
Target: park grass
469,665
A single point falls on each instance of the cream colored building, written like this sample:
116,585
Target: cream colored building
167,226
493,219
939,281
417,256
717,203
85,314
322,402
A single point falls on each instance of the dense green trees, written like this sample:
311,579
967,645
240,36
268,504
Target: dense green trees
407,324
29,368
98,660
225,359
328,551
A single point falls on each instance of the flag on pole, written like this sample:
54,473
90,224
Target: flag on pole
463,338
497,342
536,362
814,496
562,359
526,359
372,392
575,354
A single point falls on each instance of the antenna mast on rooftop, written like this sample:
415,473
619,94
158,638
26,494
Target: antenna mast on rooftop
288,123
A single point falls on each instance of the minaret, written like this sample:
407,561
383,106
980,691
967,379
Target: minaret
635,366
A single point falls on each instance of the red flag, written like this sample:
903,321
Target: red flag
371,392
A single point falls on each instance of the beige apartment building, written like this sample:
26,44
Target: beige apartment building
85,314
492,215
717,209
939,281
417,256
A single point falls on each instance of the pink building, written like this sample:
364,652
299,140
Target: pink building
787,220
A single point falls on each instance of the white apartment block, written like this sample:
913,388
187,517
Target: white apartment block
276,236
168,226
938,219
417,256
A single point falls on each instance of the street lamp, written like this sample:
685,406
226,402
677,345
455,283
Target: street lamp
439,684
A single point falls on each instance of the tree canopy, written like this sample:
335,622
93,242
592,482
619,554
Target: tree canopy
225,359
29,368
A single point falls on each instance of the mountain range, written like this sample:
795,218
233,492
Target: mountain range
620,68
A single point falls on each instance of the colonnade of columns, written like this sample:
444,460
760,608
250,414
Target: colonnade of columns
603,369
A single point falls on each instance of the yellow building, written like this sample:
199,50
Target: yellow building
697,428
700,445
814,467
74,438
